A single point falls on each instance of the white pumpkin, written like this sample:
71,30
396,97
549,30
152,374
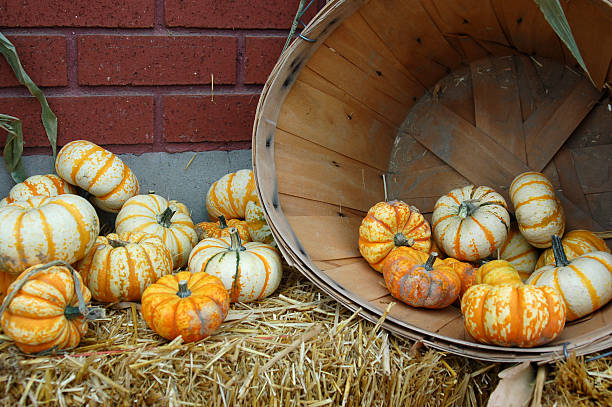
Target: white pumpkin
249,272
152,214
38,185
259,230
470,223
537,209
517,251
42,229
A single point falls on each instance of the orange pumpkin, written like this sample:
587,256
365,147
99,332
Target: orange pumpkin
46,308
501,310
388,225
221,228
230,195
412,277
38,185
575,244
464,270
191,305
517,250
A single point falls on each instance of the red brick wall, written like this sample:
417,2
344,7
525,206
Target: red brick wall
135,75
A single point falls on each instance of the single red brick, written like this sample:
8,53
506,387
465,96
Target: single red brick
191,119
261,56
233,13
100,119
71,13
42,57
156,60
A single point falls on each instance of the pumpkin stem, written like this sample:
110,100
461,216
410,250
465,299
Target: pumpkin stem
467,208
236,243
117,243
400,240
165,218
183,291
222,222
559,252
430,261
72,312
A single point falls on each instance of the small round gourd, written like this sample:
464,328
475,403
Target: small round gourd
585,282
249,272
259,230
97,171
470,223
120,267
191,305
537,209
38,185
206,230
389,225
42,229
229,195
517,250
575,244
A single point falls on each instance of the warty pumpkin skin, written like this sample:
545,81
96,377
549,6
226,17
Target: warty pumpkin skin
537,209
585,283
412,277
191,305
120,267
221,228
229,195
575,244
517,250
38,185
259,230
97,171
389,225
152,214
42,229
249,272
470,223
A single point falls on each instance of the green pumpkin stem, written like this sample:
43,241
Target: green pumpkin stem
467,208
400,240
559,252
117,243
236,243
430,261
222,222
183,291
165,218
71,312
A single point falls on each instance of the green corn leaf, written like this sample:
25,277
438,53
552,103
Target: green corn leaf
554,14
14,147
49,119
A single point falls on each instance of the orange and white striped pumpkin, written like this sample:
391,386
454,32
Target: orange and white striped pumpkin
42,229
585,283
120,267
537,209
388,225
179,207
259,230
470,223
221,228
152,214
249,272
99,172
38,185
575,244
507,312
229,195
517,250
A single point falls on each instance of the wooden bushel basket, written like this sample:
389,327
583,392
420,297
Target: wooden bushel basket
433,95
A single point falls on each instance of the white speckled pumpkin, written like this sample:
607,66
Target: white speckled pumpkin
257,225
99,172
120,267
585,283
230,194
38,185
42,229
249,272
152,214
538,210
470,223
517,250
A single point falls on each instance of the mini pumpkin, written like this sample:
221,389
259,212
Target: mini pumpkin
42,229
191,305
575,244
38,185
538,210
46,308
517,250
470,223
179,207
585,282
464,270
412,277
120,267
152,214
249,272
388,225
97,171
259,230
221,228
229,195
500,310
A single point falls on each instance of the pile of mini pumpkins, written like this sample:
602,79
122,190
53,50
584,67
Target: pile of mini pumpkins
510,293
52,261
